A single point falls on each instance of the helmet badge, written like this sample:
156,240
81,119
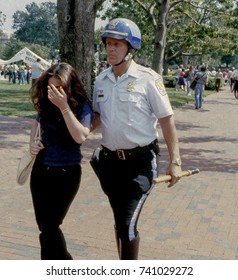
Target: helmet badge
113,24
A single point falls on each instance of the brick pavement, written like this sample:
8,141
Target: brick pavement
197,219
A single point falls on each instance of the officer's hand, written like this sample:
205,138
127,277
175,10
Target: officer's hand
175,172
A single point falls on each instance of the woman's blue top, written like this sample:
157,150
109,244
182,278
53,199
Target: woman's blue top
60,148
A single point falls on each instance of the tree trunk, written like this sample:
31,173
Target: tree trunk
76,20
160,36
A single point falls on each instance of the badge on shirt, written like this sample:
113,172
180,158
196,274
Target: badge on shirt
160,86
131,86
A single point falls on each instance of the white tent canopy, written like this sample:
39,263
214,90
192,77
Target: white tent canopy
26,56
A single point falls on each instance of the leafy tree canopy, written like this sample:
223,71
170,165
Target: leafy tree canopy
14,46
191,27
38,25
2,18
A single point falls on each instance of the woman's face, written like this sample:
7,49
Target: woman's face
55,81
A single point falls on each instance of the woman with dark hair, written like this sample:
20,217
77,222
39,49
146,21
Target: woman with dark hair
65,116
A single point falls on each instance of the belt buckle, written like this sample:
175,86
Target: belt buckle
121,154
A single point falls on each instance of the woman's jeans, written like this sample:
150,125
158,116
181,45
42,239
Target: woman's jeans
53,190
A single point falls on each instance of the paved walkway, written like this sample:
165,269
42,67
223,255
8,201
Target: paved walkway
197,219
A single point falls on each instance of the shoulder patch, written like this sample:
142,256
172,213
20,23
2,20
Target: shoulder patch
160,86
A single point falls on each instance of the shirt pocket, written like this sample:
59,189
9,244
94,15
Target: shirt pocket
131,97
131,104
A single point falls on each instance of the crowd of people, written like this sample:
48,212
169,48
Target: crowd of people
17,73
186,75
21,73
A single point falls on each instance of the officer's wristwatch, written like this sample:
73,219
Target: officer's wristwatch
177,161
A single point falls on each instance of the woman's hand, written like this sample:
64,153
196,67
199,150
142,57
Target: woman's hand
57,96
35,148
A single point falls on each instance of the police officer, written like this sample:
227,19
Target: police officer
128,101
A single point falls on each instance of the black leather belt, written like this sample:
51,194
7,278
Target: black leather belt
126,154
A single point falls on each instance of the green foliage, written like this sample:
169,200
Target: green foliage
211,83
2,18
14,46
196,27
169,81
38,25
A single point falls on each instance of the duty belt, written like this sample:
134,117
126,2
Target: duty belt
126,154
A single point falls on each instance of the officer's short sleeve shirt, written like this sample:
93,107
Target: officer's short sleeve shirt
130,107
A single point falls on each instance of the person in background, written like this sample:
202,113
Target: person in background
225,76
188,77
65,116
15,69
230,78
213,72
5,71
128,100
218,79
28,74
21,74
202,78
181,81
234,77
36,70
10,71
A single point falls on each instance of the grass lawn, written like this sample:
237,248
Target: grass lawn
178,99
15,99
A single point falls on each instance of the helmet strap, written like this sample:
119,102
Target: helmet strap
129,55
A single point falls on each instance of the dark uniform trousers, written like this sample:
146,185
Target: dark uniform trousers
127,181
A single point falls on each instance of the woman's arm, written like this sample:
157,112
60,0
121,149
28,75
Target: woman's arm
78,132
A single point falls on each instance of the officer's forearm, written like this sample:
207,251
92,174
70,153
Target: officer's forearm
170,136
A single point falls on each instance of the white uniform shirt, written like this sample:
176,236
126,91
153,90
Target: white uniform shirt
130,106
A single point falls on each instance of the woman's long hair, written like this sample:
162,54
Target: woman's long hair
71,84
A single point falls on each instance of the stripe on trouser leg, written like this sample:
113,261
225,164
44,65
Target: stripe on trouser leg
134,217
140,204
